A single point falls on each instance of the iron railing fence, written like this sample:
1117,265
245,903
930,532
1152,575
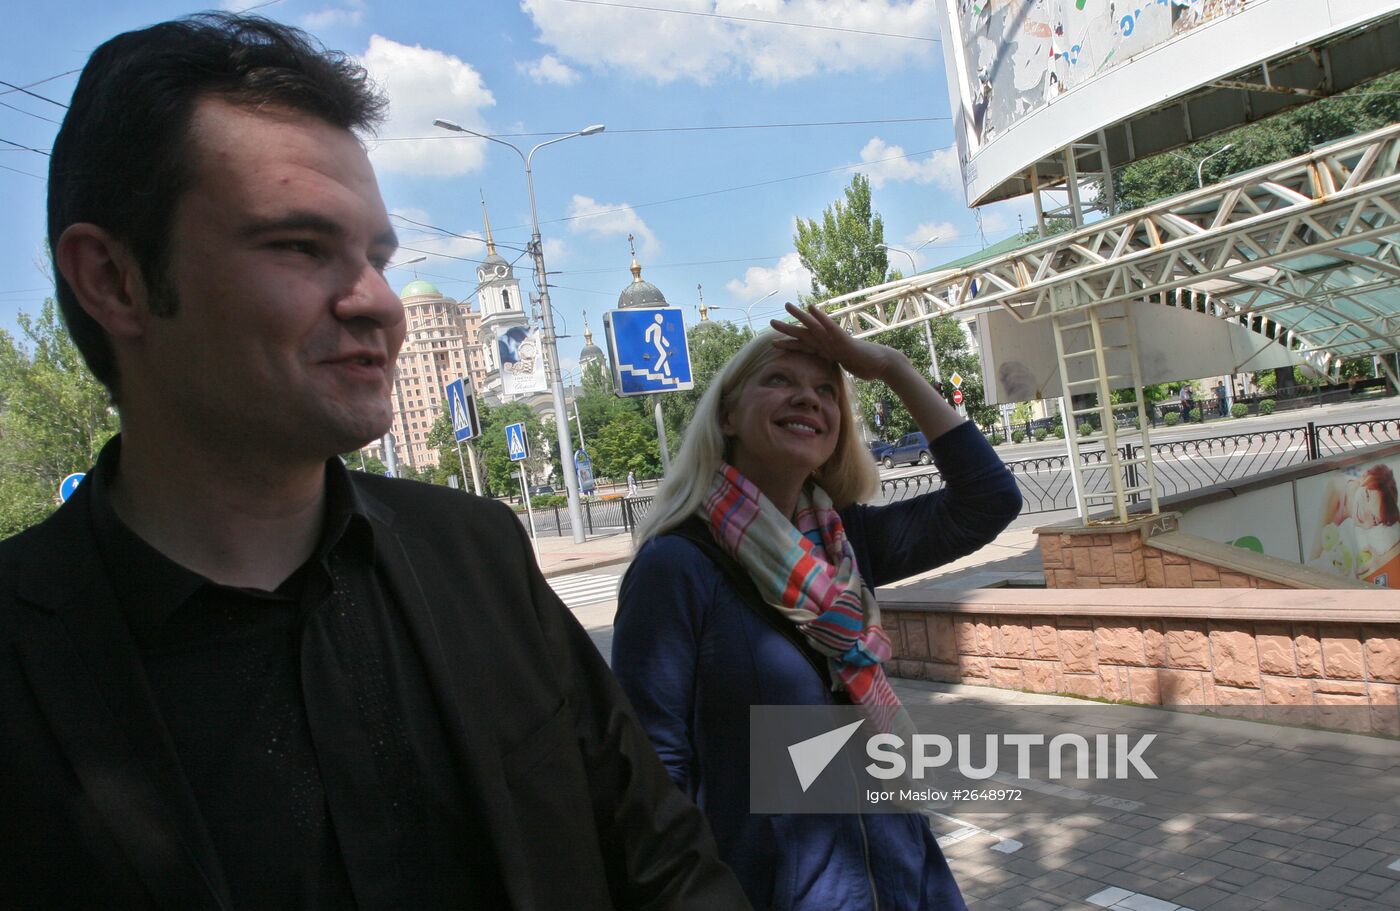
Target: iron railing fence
1047,486
1178,465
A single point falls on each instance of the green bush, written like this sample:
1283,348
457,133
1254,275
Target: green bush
1040,434
1195,416
1085,429
996,439
1060,431
1266,406
1018,436
1172,418
1239,410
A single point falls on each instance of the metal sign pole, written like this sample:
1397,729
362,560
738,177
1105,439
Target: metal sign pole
476,472
661,438
525,492
463,463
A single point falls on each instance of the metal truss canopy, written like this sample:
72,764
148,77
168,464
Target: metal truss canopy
1311,244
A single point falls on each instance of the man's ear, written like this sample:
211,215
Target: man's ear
104,277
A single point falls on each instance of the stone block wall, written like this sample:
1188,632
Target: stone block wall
1151,553
1183,660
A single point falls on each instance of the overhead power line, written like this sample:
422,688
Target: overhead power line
18,171
705,15
25,147
29,113
699,129
20,88
44,80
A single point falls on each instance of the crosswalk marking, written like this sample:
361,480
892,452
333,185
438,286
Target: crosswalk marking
580,589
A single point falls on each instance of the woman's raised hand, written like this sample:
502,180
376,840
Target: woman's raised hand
816,333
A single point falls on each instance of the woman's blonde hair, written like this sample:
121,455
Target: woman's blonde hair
848,476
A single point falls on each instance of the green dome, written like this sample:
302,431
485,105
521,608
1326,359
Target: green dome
418,288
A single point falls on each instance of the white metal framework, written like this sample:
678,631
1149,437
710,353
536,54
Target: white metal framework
1306,250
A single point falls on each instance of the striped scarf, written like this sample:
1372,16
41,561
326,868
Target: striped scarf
807,571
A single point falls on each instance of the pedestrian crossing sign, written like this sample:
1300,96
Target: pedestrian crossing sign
516,443
461,405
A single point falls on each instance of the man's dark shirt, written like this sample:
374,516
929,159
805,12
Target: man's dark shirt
304,722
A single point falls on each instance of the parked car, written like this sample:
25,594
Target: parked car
912,448
878,449
541,490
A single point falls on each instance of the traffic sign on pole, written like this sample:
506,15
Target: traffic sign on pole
957,379
648,350
68,485
462,407
517,442
957,397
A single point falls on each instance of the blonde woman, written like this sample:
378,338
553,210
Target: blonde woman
752,585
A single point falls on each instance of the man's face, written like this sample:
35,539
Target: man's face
285,334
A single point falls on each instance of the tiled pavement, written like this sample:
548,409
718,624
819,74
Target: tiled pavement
1279,842
1274,849
1274,818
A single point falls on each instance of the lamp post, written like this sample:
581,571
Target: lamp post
928,330
749,311
1200,166
561,416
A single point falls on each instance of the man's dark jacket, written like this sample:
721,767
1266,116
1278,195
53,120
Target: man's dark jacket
97,813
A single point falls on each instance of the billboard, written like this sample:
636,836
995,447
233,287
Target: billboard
520,352
1344,522
1029,77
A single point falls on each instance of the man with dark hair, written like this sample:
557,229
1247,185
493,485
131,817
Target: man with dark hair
234,674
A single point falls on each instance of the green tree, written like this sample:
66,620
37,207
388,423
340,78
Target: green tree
627,443
502,476
54,418
842,251
1285,135
598,406
359,460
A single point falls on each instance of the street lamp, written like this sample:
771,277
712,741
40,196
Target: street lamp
561,416
1201,165
1200,168
749,311
928,331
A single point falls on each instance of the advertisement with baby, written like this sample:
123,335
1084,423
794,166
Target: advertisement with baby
1356,532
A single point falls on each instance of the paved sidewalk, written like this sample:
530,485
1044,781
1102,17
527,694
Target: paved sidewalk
559,554
1245,816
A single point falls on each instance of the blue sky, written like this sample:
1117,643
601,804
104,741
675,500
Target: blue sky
553,66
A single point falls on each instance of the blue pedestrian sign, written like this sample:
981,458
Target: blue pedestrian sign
516,443
68,485
649,350
462,407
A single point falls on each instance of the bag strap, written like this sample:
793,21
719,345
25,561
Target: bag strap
697,532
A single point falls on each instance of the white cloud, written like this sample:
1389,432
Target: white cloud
331,16
888,164
556,250
670,46
611,220
789,278
1002,218
550,70
925,254
944,231
424,84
